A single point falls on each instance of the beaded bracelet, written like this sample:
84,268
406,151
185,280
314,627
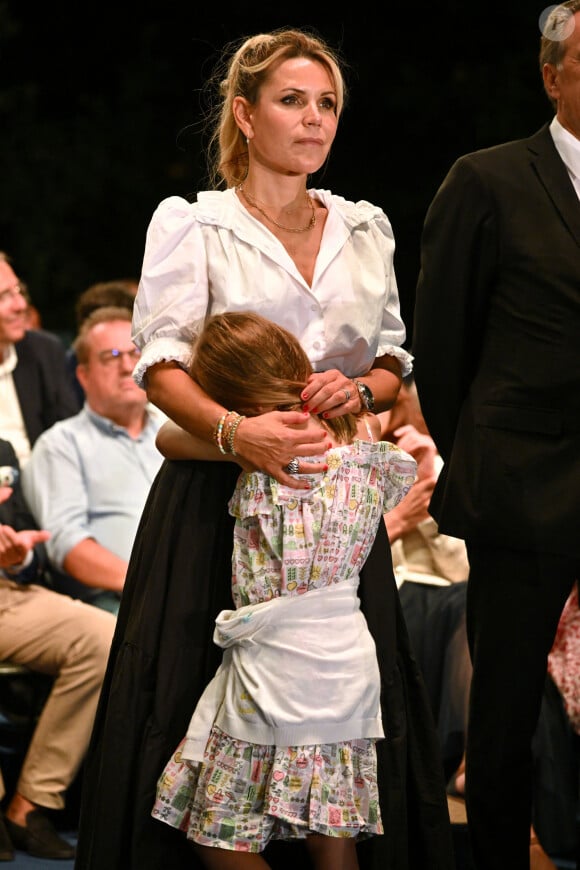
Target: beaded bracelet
232,432
218,432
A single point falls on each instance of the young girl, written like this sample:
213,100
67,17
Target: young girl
282,742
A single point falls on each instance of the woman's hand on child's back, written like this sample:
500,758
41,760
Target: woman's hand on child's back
271,441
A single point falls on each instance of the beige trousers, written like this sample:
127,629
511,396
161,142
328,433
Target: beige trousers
69,640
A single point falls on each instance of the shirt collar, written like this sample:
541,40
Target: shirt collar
8,364
568,147
107,425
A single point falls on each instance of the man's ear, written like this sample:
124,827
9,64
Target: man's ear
81,372
550,76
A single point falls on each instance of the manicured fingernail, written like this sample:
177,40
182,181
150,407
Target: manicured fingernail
314,410
305,408
325,415
304,396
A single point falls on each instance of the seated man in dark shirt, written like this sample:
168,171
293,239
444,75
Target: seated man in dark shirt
55,635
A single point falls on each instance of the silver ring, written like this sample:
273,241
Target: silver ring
292,467
347,394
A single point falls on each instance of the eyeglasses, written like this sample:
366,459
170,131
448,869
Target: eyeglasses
108,357
10,293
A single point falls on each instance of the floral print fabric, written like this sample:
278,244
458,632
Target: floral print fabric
245,794
564,658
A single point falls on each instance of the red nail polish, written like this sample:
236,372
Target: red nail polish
305,408
314,410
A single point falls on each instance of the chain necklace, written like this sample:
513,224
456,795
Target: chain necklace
311,223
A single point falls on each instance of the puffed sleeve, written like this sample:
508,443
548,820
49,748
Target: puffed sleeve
172,298
252,496
400,473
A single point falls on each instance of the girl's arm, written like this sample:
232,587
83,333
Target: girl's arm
175,443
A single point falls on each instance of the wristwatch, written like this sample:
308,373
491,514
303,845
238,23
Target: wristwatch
366,396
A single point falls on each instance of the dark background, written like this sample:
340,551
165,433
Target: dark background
93,97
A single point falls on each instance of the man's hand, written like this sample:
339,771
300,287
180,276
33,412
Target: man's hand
14,546
422,449
413,509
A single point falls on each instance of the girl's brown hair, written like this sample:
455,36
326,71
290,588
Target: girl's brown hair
247,363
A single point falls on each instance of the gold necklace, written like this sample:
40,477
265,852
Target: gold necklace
311,223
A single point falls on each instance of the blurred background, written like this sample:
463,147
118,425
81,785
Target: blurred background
93,98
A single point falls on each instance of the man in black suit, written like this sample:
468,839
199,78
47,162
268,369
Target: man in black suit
497,348
34,384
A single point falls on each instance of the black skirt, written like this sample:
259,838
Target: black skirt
162,657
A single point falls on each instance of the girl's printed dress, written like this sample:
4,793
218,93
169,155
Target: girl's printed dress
290,542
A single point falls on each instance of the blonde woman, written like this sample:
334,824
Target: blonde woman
321,267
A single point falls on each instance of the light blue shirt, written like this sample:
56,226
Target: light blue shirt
88,478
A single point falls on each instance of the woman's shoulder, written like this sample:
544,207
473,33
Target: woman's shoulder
354,213
207,206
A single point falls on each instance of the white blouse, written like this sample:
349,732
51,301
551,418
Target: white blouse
211,256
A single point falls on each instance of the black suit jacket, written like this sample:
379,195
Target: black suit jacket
497,347
42,382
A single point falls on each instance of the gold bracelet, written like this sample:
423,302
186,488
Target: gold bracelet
232,432
230,419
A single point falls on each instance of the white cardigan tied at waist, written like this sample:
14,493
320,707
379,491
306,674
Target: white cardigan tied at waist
296,670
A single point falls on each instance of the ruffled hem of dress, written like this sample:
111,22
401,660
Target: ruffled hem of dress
244,795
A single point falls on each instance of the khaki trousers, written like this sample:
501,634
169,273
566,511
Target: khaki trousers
69,640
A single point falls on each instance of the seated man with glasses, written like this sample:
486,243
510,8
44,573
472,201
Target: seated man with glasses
88,476
34,384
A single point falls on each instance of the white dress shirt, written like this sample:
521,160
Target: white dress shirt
11,420
568,147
